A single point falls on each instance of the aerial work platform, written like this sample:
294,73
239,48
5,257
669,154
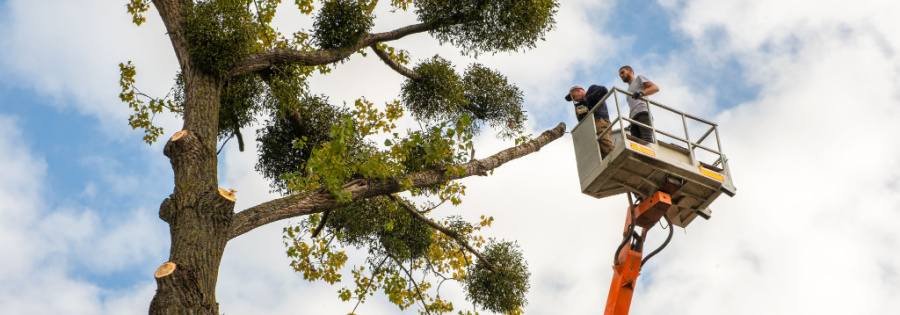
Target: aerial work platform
693,172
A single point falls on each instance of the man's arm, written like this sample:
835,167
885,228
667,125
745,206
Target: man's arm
649,88
594,94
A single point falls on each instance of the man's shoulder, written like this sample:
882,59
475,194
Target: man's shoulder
594,88
642,78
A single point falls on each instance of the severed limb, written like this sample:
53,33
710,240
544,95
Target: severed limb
316,201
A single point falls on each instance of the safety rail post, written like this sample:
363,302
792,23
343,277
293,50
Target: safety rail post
688,138
619,113
649,115
722,155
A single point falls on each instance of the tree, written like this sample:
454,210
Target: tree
234,67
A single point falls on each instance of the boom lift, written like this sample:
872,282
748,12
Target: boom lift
675,181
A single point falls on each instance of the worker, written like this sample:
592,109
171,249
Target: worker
585,101
639,86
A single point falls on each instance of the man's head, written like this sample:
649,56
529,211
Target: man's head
576,93
626,74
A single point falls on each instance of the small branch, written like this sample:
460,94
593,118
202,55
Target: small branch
321,224
223,144
240,138
371,8
433,207
444,230
359,300
409,73
258,19
320,200
411,279
266,59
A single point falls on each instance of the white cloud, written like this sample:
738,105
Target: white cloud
49,253
69,52
20,191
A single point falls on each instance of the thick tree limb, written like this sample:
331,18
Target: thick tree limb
444,230
406,72
320,200
170,11
263,60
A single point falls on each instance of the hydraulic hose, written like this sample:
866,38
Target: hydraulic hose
669,238
628,234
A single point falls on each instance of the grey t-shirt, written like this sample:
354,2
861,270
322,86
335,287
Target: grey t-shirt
637,106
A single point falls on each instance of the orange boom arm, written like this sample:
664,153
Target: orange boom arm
627,265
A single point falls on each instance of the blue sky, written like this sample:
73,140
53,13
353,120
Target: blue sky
813,161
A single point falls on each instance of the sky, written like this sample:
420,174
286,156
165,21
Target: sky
806,94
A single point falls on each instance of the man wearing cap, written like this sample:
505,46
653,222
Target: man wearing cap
584,102
639,110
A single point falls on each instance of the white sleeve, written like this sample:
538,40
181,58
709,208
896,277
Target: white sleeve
641,80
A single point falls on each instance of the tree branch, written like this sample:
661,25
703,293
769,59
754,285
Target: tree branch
444,230
170,11
317,201
371,8
394,64
366,289
411,279
319,228
263,60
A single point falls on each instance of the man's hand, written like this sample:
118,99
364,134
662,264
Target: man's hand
581,109
637,95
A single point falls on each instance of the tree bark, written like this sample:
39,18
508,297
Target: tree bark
198,212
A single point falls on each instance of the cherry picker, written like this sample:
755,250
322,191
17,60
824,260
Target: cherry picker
674,178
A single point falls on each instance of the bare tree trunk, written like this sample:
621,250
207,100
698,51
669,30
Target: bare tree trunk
199,216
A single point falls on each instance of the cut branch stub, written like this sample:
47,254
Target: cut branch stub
165,270
193,163
178,135
228,194
183,142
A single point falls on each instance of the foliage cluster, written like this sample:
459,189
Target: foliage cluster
478,26
219,33
501,289
481,93
311,122
239,103
341,23
144,112
402,249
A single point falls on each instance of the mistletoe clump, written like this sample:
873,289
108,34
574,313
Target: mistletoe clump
478,26
341,23
502,288
219,34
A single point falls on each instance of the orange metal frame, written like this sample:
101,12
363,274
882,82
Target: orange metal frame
627,266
